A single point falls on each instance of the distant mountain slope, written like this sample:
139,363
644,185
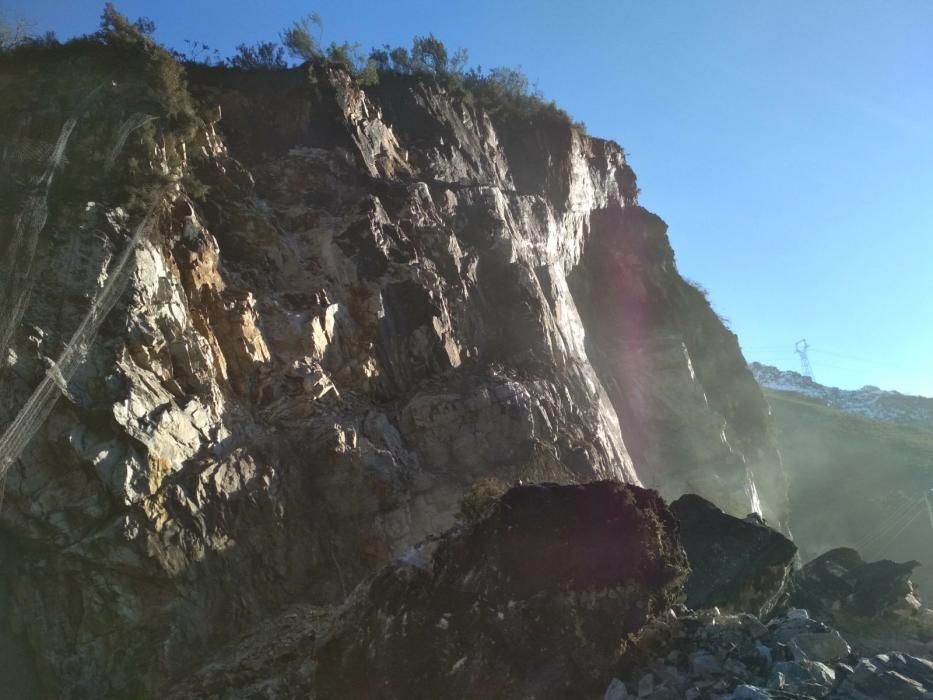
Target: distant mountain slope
853,481
869,401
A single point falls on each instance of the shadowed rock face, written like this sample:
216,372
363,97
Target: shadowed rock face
737,565
841,579
380,298
535,600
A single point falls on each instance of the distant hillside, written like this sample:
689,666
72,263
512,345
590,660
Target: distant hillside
869,401
855,481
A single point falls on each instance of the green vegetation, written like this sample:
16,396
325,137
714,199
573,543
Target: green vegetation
121,75
263,55
299,40
480,498
115,80
300,43
504,93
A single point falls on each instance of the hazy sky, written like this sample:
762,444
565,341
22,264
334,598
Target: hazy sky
789,145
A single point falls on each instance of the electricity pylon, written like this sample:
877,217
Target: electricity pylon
801,349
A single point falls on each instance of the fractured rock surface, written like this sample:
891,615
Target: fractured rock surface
373,300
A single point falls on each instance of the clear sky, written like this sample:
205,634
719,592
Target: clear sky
789,145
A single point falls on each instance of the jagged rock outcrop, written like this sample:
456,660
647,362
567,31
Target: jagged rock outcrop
346,307
875,604
737,565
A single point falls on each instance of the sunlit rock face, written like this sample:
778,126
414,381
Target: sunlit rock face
378,299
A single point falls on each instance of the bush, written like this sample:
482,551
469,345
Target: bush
429,55
501,92
263,55
482,495
298,39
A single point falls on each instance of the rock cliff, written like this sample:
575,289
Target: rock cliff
263,329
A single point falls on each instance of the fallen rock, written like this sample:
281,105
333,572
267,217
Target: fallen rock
750,692
616,691
810,639
803,678
889,676
737,565
534,600
708,656
842,579
873,604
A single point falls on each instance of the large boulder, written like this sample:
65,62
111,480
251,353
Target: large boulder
889,676
737,565
536,599
874,604
841,579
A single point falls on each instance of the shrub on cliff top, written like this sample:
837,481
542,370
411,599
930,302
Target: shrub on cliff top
263,55
298,39
501,92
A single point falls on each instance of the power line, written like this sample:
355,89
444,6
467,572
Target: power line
854,359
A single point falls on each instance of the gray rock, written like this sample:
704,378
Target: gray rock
646,686
616,691
705,665
803,677
889,676
750,692
826,647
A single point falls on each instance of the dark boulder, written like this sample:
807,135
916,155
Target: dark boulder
536,599
737,565
842,580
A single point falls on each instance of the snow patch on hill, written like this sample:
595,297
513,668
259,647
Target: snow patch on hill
869,401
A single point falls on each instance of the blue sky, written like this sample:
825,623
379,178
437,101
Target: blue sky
789,145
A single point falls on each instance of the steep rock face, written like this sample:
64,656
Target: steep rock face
694,417
380,298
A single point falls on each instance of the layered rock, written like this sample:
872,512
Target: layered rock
348,307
